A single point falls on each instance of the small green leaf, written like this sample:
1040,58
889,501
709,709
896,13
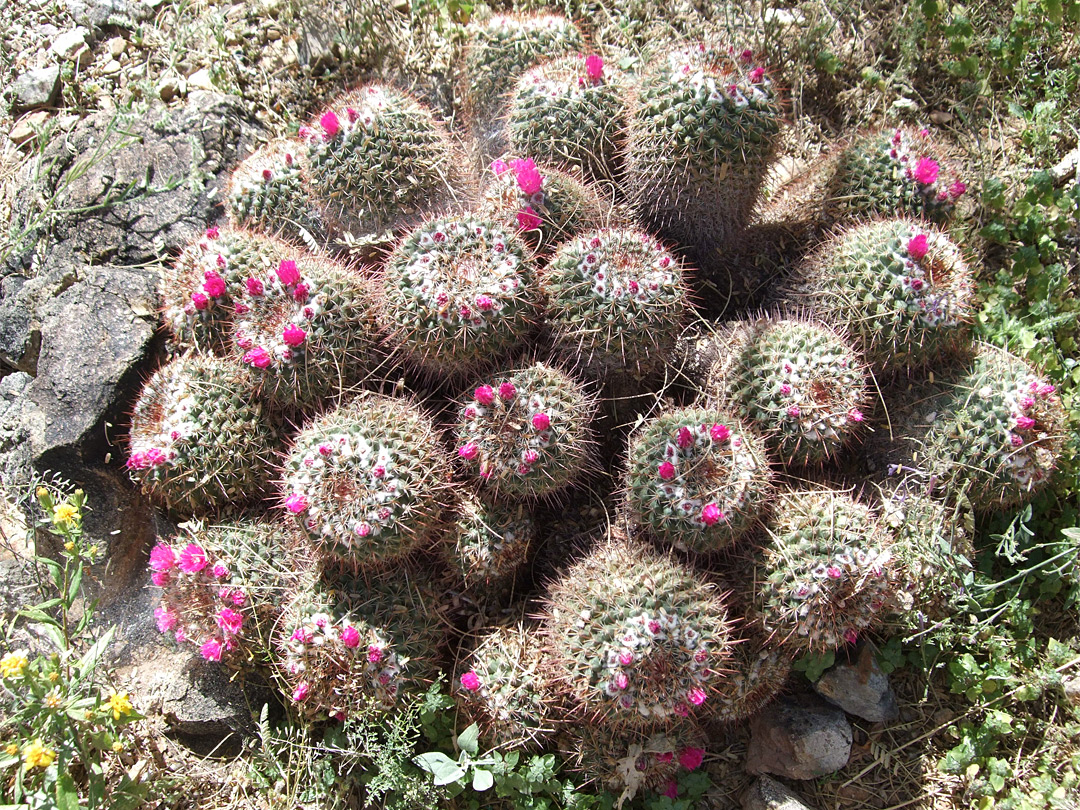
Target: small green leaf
468,740
67,794
482,780
439,765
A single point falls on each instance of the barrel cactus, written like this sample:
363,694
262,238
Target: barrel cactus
799,382
702,130
616,301
305,328
570,112
998,433
825,573
199,441
896,173
368,481
203,286
491,543
757,673
901,288
525,433
697,478
458,293
378,160
267,193
636,638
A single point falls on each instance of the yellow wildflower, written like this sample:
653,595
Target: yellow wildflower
53,700
69,546
12,749
65,513
37,755
42,492
54,677
93,551
119,704
13,664
117,746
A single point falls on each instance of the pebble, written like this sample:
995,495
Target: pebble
116,47
768,794
799,737
67,45
168,88
860,688
112,67
23,131
200,80
35,88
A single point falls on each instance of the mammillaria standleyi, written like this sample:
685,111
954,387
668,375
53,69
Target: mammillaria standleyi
526,432
199,441
368,480
698,479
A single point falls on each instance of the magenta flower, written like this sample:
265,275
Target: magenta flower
296,503
1046,389
541,421
626,658
213,284
1016,441
855,415
200,301
667,470
794,411
684,437
691,758
621,681
330,123
696,695
241,309
1025,422
211,650
230,621
470,680
747,56
850,636
498,166
211,233
757,74
254,286
926,171
917,247
300,692
162,558
350,637
594,67
528,176
719,433
484,303
287,273
507,391
671,789
166,619
957,189
711,514
258,357
833,572
192,559
160,578
785,389
374,654
267,175
485,394
468,451
528,219
300,293
293,335
220,570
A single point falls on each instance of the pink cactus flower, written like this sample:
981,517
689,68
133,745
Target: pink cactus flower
300,293
211,233
594,67
1046,389
756,75
667,471
696,695
621,681
794,411
832,572
296,503
330,124
711,514
528,219
374,654
957,189
917,247
162,558
254,286
507,391
484,303
485,394
671,789
850,636
1025,422
192,559
301,634
213,284
691,758
180,635
301,692
747,56
470,680
498,166
528,176
468,451
541,421
211,650
230,621
306,133
160,578
241,309
267,175
684,438
293,335
1016,441
531,456
926,171
350,637
166,619
855,415
287,273
719,433
220,570
626,658
258,357
238,598
785,389
200,301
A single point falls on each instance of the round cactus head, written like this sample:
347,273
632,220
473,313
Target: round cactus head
459,293
616,300
825,573
378,160
635,637
222,585
901,288
757,673
266,193
367,481
202,287
998,433
199,442
702,130
305,328
545,205
897,172
525,433
570,112
698,479
799,382
491,543
501,687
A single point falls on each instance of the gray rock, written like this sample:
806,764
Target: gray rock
315,44
768,794
35,88
98,14
69,44
20,337
799,737
202,701
860,688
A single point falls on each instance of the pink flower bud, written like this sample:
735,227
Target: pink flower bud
1025,422
300,293
621,681
667,471
350,637
626,658
267,175
211,233
917,247
794,412
528,219
330,123
926,171
470,680
213,284
498,166
160,578
296,503
855,415
293,335
230,621
594,67
850,636
528,176
468,451
711,514
746,56
258,357
287,272
684,438
200,301
374,654
220,570
957,189
1016,441
541,421
757,74
719,433
254,286
507,391
833,572
671,789
696,696
485,394
301,691
212,649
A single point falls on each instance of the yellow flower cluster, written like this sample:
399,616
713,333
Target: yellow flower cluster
13,664
119,704
37,755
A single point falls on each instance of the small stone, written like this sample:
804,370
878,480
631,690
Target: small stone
783,17
35,88
200,80
67,45
1072,690
860,688
116,47
906,105
768,794
112,67
799,737
168,87
316,41
24,130
273,34
941,117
